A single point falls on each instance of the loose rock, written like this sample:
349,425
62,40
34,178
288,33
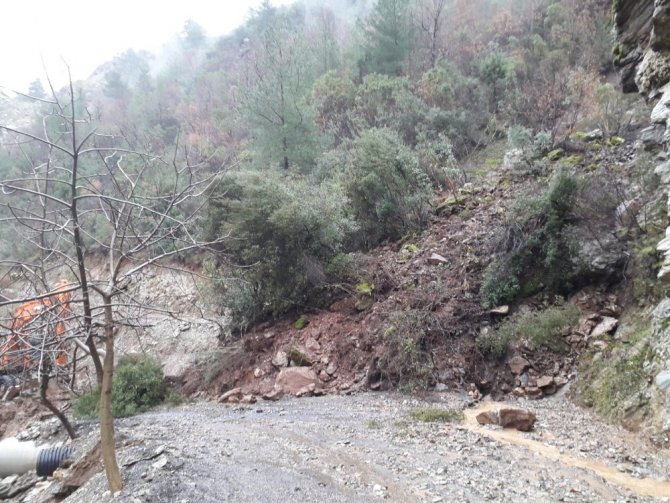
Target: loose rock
520,419
234,395
606,326
280,360
437,259
293,379
518,364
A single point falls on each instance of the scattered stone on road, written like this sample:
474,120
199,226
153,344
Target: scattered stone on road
367,448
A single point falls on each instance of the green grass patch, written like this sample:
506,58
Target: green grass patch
299,359
573,160
615,141
436,415
555,155
373,424
365,288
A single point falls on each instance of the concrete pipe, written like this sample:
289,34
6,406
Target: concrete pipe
17,458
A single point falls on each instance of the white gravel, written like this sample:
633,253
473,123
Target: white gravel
368,448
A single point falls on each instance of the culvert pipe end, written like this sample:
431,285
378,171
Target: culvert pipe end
17,458
51,458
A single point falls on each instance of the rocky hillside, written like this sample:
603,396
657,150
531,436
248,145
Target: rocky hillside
415,318
642,53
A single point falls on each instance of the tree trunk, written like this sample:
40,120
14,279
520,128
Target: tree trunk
79,245
285,147
44,384
107,443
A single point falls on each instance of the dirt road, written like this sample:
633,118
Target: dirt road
369,448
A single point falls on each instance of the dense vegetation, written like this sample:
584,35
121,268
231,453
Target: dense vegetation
334,122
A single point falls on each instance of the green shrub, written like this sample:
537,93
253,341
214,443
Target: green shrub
87,405
388,192
301,323
299,359
495,343
333,96
383,101
288,236
500,284
535,247
539,330
137,386
437,160
612,110
532,146
519,137
458,107
174,397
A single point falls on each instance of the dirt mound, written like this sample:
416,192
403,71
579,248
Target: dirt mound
416,306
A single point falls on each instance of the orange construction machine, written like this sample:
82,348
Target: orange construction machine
37,325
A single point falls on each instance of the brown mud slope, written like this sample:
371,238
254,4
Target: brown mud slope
412,319
348,344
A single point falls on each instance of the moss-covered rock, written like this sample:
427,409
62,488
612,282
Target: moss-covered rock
299,359
556,154
573,160
447,205
615,141
301,323
615,379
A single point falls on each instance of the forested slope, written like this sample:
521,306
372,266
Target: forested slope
401,176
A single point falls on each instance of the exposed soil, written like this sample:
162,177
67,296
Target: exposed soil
351,332
416,324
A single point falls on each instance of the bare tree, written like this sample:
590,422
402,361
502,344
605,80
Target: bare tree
430,18
93,193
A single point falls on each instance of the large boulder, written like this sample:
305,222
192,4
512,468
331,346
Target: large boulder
602,256
518,364
294,380
653,71
633,21
520,419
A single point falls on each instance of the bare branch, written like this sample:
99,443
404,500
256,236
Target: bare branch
36,138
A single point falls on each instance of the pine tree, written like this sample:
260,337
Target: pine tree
388,37
281,74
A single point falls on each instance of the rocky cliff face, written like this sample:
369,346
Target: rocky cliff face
643,43
632,22
643,55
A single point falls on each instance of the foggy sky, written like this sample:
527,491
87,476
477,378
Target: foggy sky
85,34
